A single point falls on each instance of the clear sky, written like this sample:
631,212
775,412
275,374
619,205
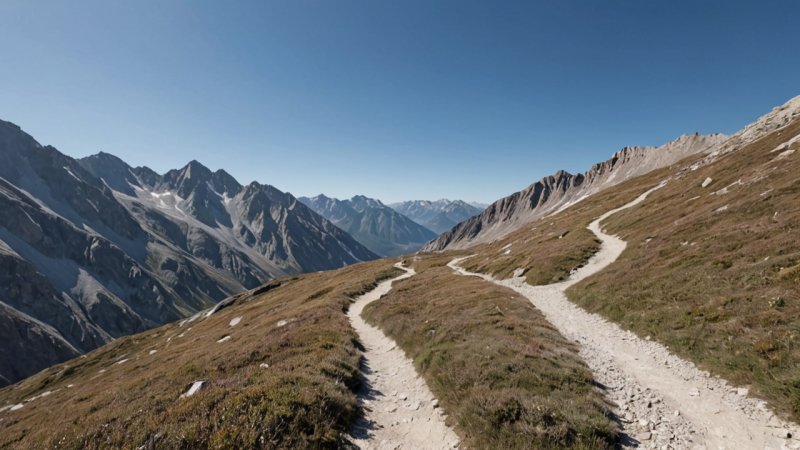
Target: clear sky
395,100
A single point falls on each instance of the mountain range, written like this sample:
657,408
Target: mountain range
93,249
438,216
379,227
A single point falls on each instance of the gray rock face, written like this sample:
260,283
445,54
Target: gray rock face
438,216
93,249
377,226
562,189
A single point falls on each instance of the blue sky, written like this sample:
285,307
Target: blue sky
394,100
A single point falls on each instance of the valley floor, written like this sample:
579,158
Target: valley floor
663,400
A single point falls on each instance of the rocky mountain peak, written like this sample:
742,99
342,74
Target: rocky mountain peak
224,183
361,202
114,172
188,178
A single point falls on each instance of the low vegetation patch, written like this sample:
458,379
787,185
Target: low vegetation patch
284,375
504,376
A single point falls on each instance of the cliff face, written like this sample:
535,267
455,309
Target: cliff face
563,189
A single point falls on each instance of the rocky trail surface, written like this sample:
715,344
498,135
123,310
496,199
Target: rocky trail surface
663,401
401,412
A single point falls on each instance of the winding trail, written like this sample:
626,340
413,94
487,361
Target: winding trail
663,401
401,412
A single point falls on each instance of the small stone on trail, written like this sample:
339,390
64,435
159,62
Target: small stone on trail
742,392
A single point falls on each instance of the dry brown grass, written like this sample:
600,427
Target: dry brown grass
719,287
506,378
304,399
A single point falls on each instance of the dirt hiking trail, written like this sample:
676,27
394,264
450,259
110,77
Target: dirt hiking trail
401,412
663,401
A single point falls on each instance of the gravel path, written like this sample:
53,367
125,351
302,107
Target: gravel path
401,412
663,401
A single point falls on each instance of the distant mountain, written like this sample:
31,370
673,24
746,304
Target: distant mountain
562,189
478,205
379,227
93,249
438,216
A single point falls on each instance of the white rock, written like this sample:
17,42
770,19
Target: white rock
264,365
195,388
225,339
235,321
282,323
16,407
742,391
706,182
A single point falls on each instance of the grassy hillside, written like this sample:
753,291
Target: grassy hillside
549,248
505,376
284,376
714,272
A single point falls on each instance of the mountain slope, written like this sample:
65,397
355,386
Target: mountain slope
379,227
711,263
438,216
92,250
285,376
562,189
